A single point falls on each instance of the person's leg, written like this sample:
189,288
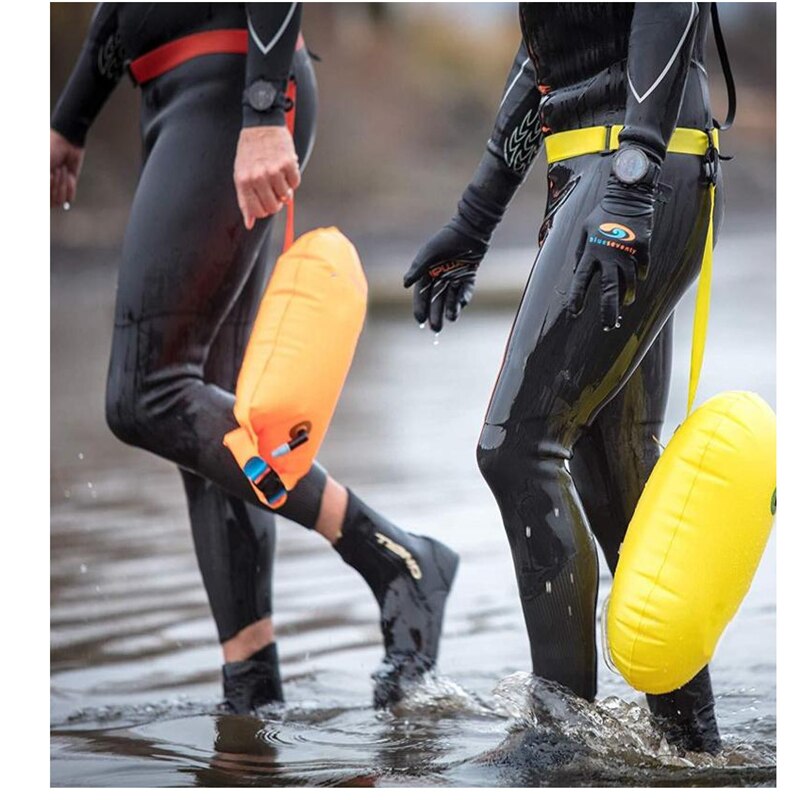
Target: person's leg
235,540
611,463
558,373
186,257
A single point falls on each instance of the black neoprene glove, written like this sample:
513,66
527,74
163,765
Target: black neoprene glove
616,243
443,272
443,275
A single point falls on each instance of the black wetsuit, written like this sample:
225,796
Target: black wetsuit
571,433
191,276
190,282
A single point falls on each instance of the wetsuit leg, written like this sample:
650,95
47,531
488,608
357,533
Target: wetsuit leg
611,463
558,373
186,258
235,541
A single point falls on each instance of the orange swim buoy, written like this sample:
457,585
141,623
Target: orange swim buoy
297,360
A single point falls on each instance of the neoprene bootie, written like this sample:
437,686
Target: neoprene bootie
686,716
410,577
253,682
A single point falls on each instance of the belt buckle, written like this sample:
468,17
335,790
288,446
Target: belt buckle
607,149
711,160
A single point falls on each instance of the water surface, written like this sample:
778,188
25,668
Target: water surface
135,662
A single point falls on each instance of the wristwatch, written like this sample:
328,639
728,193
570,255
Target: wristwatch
261,96
631,165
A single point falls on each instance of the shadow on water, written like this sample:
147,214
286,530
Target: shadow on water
134,656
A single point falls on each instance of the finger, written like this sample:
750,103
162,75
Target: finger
249,205
292,174
627,277
71,181
643,262
53,174
421,303
280,187
414,273
465,292
61,187
436,313
609,296
452,308
580,284
268,199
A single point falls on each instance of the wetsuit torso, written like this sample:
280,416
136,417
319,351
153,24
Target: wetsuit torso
122,32
579,52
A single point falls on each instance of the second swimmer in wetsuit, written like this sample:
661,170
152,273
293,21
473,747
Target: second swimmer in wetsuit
571,433
190,280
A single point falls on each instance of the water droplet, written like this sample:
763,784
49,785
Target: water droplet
548,587
557,513
83,569
435,339
572,577
527,531
90,485
80,456
67,493
569,610
66,206
422,326
97,588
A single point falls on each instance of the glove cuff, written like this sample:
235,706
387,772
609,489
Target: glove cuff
486,198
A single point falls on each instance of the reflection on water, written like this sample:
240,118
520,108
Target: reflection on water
135,664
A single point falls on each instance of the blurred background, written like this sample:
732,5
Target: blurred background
408,94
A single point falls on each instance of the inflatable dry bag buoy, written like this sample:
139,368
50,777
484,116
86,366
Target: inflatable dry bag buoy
700,527
297,360
694,543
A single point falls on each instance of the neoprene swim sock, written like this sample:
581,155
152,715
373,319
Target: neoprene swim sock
253,682
410,577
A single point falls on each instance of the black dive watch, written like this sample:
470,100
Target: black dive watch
631,166
262,96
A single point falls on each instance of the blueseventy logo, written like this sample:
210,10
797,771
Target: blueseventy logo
615,230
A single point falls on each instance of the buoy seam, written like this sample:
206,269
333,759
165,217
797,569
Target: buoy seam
724,415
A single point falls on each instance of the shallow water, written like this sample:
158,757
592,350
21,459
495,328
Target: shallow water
135,663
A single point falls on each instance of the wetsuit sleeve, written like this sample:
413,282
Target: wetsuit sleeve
659,53
96,73
273,29
516,139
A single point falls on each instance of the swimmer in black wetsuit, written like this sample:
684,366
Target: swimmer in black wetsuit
218,163
571,433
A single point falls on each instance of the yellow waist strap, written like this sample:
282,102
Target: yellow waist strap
689,141
582,141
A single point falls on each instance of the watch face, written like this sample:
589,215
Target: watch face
261,95
630,165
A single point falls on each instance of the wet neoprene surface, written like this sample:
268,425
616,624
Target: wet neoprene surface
190,281
571,431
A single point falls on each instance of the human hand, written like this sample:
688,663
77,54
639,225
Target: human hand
266,171
615,243
66,160
443,275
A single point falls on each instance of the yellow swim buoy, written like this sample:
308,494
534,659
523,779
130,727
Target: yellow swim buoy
297,360
694,543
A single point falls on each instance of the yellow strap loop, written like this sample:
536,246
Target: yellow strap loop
702,307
